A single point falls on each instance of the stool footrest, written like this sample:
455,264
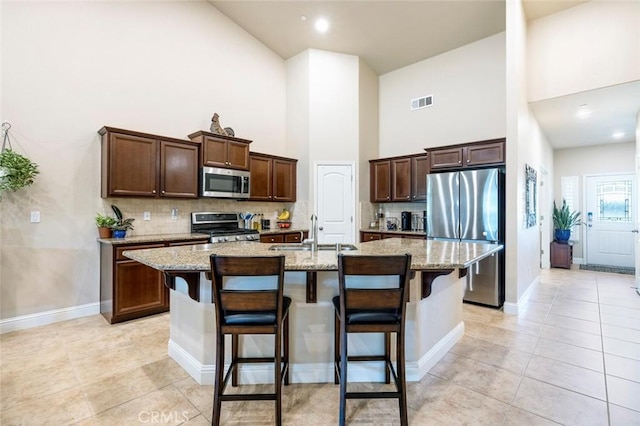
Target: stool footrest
249,397
372,395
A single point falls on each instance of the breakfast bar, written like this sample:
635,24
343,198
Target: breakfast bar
434,313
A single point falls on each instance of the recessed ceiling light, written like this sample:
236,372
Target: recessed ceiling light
322,25
617,135
303,17
583,111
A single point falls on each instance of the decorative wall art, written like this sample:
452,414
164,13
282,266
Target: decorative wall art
531,196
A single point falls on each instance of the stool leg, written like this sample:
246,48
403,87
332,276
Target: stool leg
387,357
336,349
402,383
278,374
218,385
285,339
343,375
235,342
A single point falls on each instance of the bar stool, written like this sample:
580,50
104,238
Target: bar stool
242,309
372,310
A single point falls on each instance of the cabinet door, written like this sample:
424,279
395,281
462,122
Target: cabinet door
419,171
446,158
139,290
284,180
214,152
380,181
132,166
274,238
491,153
237,156
294,237
401,173
261,178
178,170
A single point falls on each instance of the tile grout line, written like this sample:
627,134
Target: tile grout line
604,363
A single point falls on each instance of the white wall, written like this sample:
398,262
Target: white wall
71,67
468,88
595,44
591,160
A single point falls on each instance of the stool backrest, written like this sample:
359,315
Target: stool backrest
246,296
374,296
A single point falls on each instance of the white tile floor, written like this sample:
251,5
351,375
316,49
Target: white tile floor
571,357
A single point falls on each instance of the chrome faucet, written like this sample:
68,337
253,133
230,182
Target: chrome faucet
313,238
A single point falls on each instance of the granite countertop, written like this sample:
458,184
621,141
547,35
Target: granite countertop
426,254
155,238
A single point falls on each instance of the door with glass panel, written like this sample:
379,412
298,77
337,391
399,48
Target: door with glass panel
610,219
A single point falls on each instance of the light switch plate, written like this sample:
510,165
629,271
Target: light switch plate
35,216
146,216
174,213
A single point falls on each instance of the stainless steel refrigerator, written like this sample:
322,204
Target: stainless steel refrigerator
469,206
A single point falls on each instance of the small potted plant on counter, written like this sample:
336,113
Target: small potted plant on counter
563,221
121,225
105,225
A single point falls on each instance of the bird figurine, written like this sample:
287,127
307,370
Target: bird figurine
216,127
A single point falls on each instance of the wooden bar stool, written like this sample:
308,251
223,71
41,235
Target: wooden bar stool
247,308
371,310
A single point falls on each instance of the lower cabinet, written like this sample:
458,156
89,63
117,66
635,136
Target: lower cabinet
283,237
129,289
372,236
561,255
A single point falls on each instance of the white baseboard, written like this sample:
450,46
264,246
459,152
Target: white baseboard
48,317
578,261
512,308
316,372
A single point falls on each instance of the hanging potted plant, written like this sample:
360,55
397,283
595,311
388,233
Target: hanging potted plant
563,221
122,225
105,225
16,171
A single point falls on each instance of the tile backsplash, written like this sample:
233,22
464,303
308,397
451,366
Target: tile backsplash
162,223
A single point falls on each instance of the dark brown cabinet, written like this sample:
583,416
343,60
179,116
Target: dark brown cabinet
372,235
129,289
483,153
561,255
222,151
137,164
284,237
272,178
399,179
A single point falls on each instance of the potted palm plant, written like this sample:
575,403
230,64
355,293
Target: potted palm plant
122,225
564,220
105,224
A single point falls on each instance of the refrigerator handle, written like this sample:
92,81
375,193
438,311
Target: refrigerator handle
470,278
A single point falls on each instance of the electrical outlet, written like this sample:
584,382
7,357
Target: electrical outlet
146,216
35,216
174,213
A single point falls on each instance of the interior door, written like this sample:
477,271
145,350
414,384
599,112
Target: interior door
335,201
610,219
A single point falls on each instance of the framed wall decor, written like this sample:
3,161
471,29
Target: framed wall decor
531,196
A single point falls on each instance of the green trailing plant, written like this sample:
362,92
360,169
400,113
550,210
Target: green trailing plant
121,223
564,218
103,221
16,171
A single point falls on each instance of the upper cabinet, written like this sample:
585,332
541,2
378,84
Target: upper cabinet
222,151
272,178
398,179
137,164
483,153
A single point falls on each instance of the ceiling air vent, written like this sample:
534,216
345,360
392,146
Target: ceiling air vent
423,102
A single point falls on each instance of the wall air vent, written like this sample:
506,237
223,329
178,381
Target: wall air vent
423,102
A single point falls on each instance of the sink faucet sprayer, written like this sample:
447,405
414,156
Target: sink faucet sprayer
313,239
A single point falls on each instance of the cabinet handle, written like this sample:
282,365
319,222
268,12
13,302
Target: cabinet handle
153,192
468,161
459,161
408,197
163,192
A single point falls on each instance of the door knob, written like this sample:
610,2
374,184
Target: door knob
321,228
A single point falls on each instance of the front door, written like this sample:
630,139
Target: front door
610,219
335,201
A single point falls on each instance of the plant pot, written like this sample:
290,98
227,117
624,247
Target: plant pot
104,232
119,233
562,235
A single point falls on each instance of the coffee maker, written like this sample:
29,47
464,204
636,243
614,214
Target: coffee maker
405,221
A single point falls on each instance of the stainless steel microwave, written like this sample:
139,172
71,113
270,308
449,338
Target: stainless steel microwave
224,183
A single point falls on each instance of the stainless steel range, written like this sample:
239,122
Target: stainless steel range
221,227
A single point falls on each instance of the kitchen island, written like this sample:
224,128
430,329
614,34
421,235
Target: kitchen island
434,313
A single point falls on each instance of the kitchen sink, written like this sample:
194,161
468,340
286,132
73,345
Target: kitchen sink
307,247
